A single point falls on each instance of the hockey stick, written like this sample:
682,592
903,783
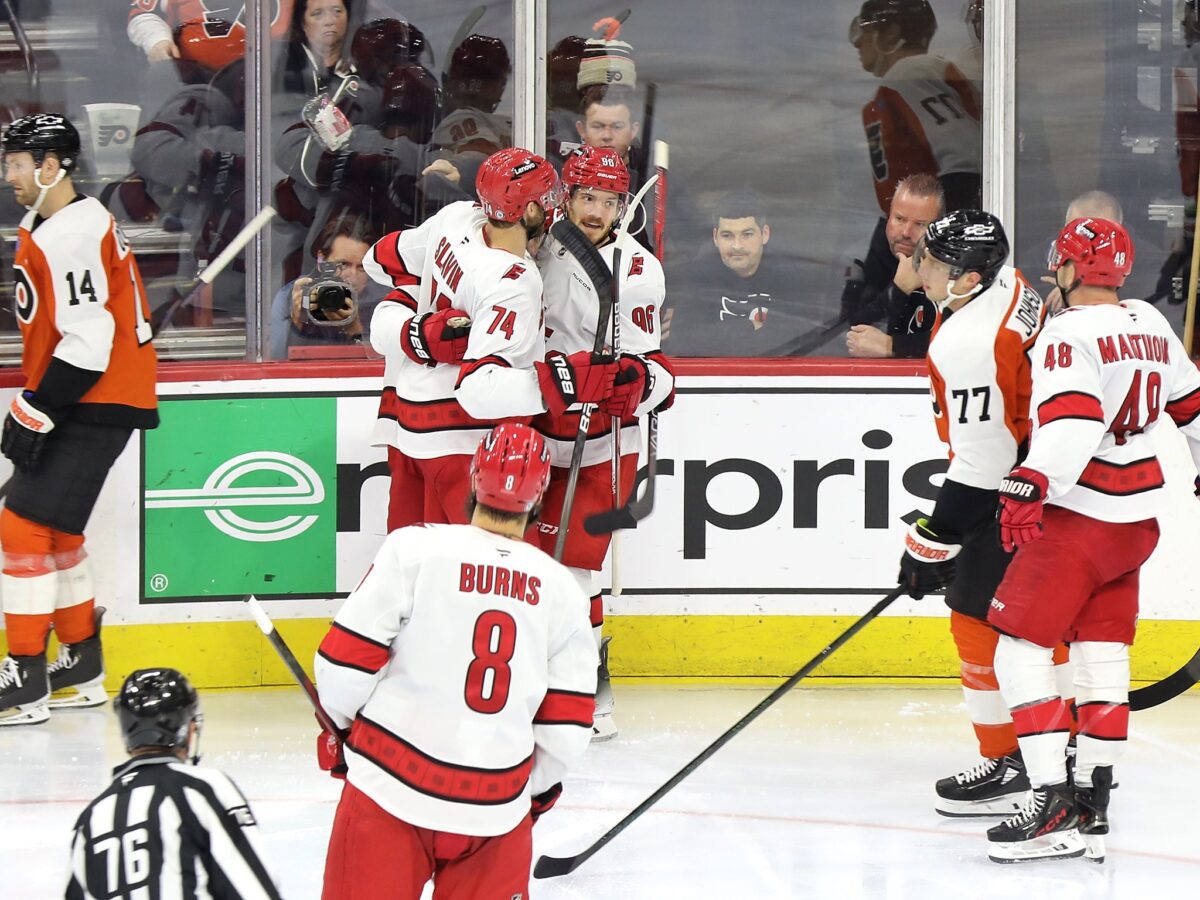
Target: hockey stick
293,665
553,866
1169,688
162,316
637,508
580,246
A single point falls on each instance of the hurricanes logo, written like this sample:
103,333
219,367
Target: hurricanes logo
112,134
222,494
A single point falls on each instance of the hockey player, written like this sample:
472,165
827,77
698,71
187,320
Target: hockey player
925,115
465,289
979,378
1081,511
166,827
89,382
597,184
464,667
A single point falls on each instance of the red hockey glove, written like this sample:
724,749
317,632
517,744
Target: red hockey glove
25,431
331,756
582,377
928,561
1022,494
542,802
437,337
632,385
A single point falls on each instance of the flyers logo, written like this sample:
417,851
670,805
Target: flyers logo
636,266
515,271
112,134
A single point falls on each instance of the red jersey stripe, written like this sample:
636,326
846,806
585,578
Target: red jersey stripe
566,708
1104,721
1185,409
1070,405
1121,480
343,647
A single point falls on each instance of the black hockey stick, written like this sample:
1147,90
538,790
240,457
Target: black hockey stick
1169,688
293,665
580,246
637,508
553,866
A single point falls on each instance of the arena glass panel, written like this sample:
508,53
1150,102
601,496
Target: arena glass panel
379,119
796,122
1110,104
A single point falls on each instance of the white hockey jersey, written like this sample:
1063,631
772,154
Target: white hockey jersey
923,118
979,378
572,311
446,263
466,663
1101,377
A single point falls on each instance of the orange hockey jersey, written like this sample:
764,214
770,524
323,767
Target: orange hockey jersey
80,299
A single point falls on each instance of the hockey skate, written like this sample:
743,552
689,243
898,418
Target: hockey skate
24,690
79,671
603,727
995,787
1047,827
1092,806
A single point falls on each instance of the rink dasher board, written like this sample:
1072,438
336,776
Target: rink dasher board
781,509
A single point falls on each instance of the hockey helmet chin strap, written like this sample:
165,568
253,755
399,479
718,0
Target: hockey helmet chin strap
951,296
44,189
1066,291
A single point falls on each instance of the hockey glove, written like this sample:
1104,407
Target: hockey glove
542,802
928,562
632,385
1022,494
582,377
437,337
25,431
331,755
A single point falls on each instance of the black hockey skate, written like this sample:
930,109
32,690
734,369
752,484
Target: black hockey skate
24,690
603,727
1092,806
79,670
995,787
1047,827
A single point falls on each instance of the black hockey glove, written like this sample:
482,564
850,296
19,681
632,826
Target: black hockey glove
542,802
928,563
25,432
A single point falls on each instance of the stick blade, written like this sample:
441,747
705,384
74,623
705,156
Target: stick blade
608,521
554,866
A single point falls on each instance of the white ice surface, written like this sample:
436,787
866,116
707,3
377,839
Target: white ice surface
826,796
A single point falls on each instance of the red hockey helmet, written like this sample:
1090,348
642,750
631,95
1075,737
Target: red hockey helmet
511,468
1100,248
600,168
511,178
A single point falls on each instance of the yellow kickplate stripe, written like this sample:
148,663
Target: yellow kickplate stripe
235,654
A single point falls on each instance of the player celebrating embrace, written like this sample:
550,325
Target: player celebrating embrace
1081,512
979,377
465,662
462,333
597,184
89,382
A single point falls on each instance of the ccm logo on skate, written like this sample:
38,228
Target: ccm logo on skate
481,578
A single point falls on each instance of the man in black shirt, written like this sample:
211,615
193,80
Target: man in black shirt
739,301
164,828
886,286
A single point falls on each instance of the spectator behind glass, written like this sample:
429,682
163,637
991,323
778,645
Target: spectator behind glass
474,85
886,286
171,29
606,120
562,98
342,243
736,299
925,114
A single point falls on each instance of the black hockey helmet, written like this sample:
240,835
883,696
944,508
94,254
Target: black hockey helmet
382,44
155,707
915,19
43,133
967,240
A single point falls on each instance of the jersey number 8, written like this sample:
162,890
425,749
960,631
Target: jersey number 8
489,676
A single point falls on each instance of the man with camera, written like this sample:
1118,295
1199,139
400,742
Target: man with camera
334,304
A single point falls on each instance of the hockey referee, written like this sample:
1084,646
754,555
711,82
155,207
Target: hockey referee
164,829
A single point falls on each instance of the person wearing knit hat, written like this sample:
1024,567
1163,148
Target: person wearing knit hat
607,62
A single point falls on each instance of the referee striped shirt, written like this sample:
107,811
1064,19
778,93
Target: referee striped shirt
164,830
